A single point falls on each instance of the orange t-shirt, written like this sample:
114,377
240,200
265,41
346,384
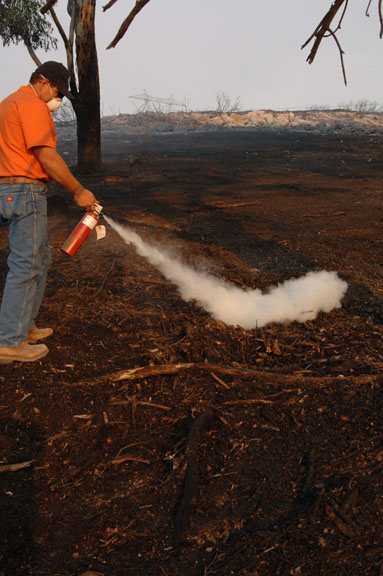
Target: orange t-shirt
25,122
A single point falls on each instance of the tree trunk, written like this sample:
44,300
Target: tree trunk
87,103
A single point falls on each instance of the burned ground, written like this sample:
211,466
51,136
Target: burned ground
161,442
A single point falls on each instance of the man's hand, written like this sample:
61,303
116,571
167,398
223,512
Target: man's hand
85,199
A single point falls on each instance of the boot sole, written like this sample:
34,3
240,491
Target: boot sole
9,360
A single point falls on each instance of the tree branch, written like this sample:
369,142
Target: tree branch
341,57
59,28
127,22
47,6
109,5
32,53
68,42
324,28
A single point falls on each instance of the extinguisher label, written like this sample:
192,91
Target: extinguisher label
101,232
89,221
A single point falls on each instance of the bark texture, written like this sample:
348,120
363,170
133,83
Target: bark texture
87,103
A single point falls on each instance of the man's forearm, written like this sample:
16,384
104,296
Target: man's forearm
56,168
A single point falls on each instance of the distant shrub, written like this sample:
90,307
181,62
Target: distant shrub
362,106
224,103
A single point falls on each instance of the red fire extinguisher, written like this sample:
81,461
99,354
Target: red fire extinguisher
82,231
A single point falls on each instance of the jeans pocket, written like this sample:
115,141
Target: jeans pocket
13,205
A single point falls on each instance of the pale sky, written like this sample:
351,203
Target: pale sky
248,49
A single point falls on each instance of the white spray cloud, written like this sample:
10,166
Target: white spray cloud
298,299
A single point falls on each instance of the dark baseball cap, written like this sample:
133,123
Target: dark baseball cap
58,75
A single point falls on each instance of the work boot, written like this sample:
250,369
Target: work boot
36,334
23,353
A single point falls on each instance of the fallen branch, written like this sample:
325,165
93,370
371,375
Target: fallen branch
15,467
233,204
326,215
138,373
140,403
239,372
130,459
248,401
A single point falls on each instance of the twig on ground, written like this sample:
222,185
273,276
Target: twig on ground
130,459
324,215
224,205
105,278
220,381
15,467
116,402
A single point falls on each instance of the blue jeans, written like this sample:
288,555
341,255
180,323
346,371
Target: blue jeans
23,209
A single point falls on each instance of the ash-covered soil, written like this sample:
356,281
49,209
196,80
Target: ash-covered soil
159,441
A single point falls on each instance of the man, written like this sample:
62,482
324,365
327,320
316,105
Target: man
28,161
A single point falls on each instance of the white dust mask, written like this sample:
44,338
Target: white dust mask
55,103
